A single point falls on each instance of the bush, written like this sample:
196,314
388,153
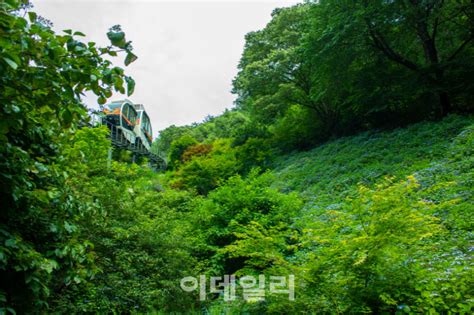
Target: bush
298,129
236,210
178,147
368,255
200,149
206,172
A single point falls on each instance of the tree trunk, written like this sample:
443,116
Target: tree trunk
445,104
432,58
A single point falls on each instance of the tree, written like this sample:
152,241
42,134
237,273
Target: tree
205,167
272,74
42,78
428,38
177,148
162,144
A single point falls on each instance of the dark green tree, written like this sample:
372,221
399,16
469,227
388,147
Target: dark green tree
432,39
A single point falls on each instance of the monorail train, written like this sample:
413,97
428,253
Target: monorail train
131,121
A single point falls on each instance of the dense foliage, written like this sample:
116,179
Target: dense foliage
42,78
374,222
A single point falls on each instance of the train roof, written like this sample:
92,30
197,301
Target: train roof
139,107
115,104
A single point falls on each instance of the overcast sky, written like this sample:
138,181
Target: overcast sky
188,51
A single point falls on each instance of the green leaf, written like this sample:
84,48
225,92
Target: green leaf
53,228
70,227
118,82
117,38
79,34
68,31
79,48
32,16
50,265
21,22
11,63
101,100
130,58
11,242
12,3
66,116
130,85
16,109
4,127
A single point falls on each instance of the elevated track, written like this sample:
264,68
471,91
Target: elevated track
119,141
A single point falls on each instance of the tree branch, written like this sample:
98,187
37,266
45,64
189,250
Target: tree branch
383,46
460,48
436,22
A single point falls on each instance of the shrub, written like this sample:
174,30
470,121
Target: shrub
205,172
236,210
178,147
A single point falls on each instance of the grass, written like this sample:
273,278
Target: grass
329,173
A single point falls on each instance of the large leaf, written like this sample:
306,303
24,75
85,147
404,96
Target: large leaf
130,85
66,116
130,58
101,100
117,39
11,63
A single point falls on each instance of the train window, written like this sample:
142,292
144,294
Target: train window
148,127
132,114
125,110
146,123
127,116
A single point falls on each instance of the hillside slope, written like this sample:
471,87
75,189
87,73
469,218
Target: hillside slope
387,219
385,224
331,172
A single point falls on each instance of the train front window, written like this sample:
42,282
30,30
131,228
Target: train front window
146,124
132,115
125,111
129,116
